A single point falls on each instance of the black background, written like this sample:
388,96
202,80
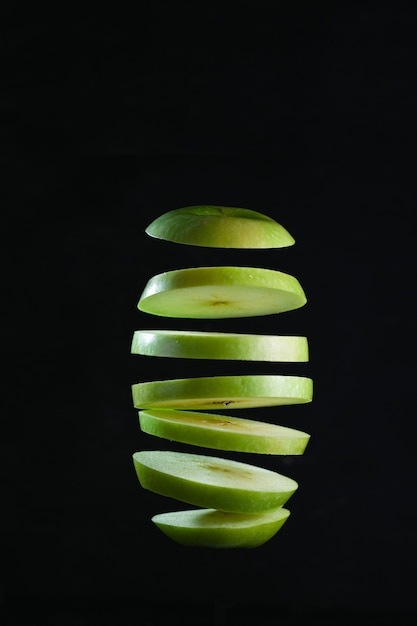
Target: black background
304,113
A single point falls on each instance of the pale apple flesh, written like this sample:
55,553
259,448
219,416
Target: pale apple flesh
209,528
214,345
212,482
222,392
220,227
241,504
223,432
221,292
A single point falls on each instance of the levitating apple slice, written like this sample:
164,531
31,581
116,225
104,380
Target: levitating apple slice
211,345
222,392
223,432
208,528
220,227
221,292
212,482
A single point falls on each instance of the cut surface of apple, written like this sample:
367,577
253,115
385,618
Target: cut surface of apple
212,482
220,227
221,292
213,345
223,432
223,392
218,529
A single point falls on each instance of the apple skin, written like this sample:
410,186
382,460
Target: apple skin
219,346
223,392
223,432
221,292
212,482
220,227
243,504
209,528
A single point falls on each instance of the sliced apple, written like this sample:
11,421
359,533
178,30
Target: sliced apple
209,528
223,432
211,345
222,392
212,482
220,227
221,292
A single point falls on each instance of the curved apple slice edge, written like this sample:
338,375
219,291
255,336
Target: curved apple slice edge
220,227
219,346
212,482
223,432
217,529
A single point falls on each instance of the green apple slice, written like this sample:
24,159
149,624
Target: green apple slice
222,392
212,482
223,432
221,292
209,528
186,344
220,227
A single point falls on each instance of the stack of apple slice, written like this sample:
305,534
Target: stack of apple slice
236,504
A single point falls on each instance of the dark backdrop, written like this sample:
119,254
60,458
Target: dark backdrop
310,121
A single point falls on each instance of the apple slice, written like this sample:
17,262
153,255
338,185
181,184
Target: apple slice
222,392
212,482
220,227
186,344
221,292
223,432
209,528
